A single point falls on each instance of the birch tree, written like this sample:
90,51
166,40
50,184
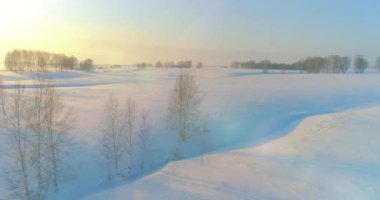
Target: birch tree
15,124
130,120
113,128
184,115
36,121
3,97
143,136
58,122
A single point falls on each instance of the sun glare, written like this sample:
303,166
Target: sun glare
15,14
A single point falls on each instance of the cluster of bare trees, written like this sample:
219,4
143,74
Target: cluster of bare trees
37,124
179,64
329,64
360,64
38,61
184,64
184,114
142,66
316,64
87,65
170,64
160,65
263,65
125,131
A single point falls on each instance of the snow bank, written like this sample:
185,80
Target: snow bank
326,157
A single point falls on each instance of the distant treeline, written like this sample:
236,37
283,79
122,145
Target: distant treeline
170,64
264,65
40,61
329,64
316,64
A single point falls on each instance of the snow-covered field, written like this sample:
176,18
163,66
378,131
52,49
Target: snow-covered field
251,153
330,156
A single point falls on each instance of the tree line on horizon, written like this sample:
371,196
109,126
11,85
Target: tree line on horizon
41,61
170,64
316,64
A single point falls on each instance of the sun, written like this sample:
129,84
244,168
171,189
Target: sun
20,13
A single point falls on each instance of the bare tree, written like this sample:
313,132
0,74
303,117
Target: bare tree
130,119
3,96
113,128
345,64
42,60
58,123
158,64
378,63
184,115
122,136
199,65
360,64
50,111
143,135
36,121
202,133
15,124
38,125
265,64
87,65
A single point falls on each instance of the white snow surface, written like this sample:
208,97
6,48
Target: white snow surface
247,111
332,156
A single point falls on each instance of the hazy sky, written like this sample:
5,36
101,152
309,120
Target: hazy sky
212,31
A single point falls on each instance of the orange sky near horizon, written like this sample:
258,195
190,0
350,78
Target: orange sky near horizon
33,25
214,32
49,26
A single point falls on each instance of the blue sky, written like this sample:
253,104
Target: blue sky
212,31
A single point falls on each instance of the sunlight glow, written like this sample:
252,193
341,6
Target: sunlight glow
20,14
